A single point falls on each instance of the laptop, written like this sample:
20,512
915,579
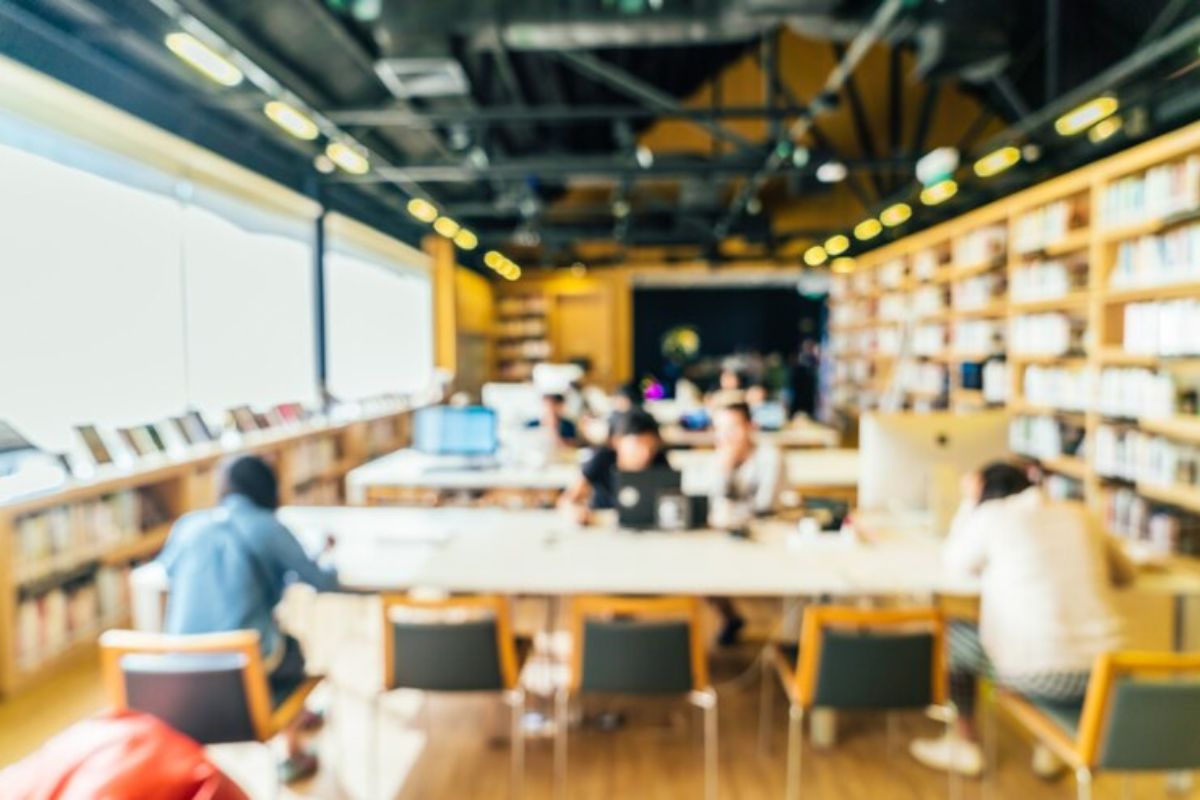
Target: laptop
638,494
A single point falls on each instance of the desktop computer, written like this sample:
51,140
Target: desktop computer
914,462
469,432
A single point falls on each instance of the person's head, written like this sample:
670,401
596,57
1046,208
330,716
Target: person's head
636,440
730,380
1001,479
553,404
251,478
627,398
733,428
756,394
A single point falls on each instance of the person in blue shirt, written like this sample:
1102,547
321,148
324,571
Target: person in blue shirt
228,567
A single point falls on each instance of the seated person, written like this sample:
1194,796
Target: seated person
730,389
635,446
228,567
756,395
1046,569
553,419
745,483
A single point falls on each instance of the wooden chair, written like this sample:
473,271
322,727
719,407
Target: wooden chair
212,687
650,646
850,658
1141,713
477,654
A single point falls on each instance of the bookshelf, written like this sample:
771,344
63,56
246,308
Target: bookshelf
522,334
67,554
1081,297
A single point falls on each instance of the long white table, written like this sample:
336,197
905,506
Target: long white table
409,469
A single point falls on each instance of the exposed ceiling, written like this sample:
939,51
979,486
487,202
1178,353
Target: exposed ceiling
637,130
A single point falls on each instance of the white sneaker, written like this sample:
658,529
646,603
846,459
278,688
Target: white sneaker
1046,765
949,753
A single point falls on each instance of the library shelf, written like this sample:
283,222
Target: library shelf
1164,291
1071,466
1066,302
1183,428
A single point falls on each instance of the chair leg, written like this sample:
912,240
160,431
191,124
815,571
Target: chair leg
706,700
794,752
561,721
273,766
517,742
953,779
1083,783
373,780
764,702
991,746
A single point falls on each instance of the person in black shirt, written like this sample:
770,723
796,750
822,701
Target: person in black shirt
635,446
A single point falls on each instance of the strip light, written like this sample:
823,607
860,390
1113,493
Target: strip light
868,229
896,214
466,240
836,245
939,192
815,256
348,158
997,161
446,227
1085,116
203,58
291,120
422,209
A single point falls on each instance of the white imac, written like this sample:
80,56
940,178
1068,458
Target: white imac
915,461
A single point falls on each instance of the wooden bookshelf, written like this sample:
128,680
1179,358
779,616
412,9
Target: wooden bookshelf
311,459
1076,225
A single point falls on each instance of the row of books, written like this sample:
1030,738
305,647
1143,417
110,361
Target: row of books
62,538
982,336
995,381
529,348
979,291
1160,260
522,305
891,274
312,458
1160,191
1164,328
921,378
1133,455
1044,437
1131,517
521,328
1045,280
1053,333
925,264
1043,226
980,245
49,623
929,339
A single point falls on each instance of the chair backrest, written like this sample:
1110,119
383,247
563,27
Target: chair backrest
476,654
1141,712
877,659
212,687
637,646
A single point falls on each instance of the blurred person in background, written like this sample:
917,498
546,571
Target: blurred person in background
554,421
1046,570
227,569
636,446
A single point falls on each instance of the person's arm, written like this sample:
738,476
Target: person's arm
575,500
965,550
285,549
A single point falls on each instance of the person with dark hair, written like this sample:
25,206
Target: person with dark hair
227,569
554,420
635,446
1045,570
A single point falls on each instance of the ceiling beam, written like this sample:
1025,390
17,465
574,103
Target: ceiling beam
550,114
651,96
858,115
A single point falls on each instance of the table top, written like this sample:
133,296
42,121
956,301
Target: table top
543,553
795,436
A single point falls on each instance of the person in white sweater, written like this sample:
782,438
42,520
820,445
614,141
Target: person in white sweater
1046,570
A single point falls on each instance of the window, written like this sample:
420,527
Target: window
379,321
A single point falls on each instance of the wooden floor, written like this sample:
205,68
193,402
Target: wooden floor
656,755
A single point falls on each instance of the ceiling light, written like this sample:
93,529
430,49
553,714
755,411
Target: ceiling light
493,259
1085,116
644,156
997,161
815,256
322,164
800,157
867,229
422,209
291,120
446,227
466,240
753,206
836,245
620,208
1105,128
514,273
348,158
831,172
203,58
896,214
842,265
939,192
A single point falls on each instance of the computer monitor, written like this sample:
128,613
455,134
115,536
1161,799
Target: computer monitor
771,416
638,494
450,430
514,403
914,462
